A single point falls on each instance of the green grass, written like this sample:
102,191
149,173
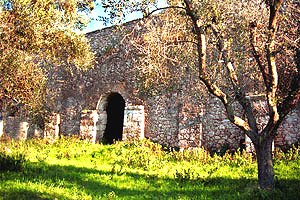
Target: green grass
74,169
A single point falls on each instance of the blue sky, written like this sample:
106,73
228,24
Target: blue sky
96,25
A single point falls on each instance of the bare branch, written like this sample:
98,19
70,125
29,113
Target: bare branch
240,94
216,91
163,8
256,53
273,76
200,38
213,88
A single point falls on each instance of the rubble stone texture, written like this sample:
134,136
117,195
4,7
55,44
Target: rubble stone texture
186,117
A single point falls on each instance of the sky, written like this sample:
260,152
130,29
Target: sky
96,25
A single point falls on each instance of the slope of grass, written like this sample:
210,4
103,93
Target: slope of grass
74,169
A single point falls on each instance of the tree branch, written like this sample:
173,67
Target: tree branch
293,98
257,55
200,38
273,76
240,94
146,15
225,99
213,88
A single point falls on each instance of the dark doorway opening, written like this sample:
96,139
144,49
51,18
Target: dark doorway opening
115,118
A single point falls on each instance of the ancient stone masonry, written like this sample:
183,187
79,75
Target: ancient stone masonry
20,127
86,104
134,122
289,131
88,122
16,128
217,127
162,122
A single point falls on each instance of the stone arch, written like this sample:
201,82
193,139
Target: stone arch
111,117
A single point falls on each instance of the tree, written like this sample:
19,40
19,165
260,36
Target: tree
37,35
236,48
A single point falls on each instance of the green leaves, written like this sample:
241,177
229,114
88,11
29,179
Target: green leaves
35,36
117,10
11,160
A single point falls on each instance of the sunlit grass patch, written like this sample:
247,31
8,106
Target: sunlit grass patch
74,169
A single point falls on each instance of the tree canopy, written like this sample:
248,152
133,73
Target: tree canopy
37,35
236,48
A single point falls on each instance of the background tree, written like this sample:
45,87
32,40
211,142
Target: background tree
236,48
36,35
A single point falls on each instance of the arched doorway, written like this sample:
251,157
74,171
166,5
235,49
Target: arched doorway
115,117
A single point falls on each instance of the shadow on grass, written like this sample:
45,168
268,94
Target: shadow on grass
27,194
97,183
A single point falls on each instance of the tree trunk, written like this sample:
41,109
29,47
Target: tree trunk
265,164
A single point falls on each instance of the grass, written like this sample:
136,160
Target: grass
74,169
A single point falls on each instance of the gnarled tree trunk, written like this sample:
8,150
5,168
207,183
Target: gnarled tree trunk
265,163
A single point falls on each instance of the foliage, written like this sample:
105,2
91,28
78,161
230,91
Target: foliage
292,154
142,154
36,36
14,162
236,49
11,160
116,11
87,173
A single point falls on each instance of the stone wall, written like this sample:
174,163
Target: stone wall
52,125
82,90
162,119
21,128
185,117
191,121
88,128
289,131
134,122
16,127
217,127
